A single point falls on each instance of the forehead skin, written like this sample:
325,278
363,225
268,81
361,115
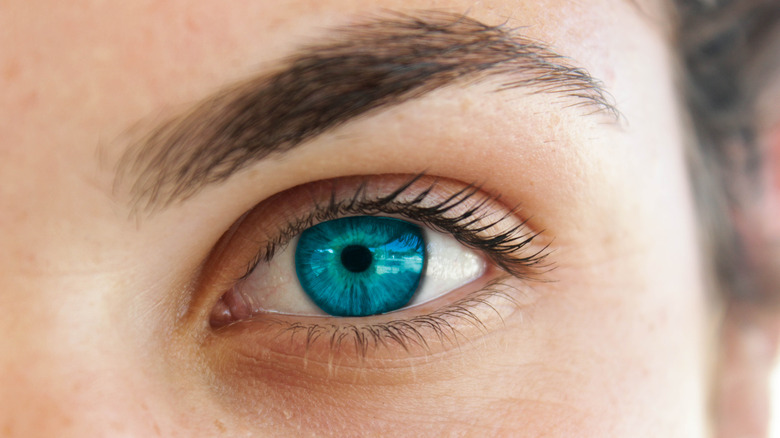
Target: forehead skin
91,294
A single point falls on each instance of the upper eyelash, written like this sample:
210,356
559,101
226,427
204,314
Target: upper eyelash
505,248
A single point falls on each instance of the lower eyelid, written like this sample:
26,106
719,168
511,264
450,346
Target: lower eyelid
286,357
429,328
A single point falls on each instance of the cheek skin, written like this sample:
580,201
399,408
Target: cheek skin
423,397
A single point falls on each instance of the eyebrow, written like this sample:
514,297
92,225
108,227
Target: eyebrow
377,63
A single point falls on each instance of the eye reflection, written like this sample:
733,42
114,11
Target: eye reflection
360,266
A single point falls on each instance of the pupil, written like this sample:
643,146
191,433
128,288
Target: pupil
356,258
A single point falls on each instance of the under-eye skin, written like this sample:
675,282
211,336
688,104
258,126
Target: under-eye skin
345,261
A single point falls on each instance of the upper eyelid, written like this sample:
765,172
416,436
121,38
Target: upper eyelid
468,226
246,122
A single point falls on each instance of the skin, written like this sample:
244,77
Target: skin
101,335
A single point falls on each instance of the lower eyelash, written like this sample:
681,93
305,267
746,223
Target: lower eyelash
411,333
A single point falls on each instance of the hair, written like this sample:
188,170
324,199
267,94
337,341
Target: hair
729,52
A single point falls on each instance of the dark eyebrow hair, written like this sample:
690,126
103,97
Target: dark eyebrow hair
382,61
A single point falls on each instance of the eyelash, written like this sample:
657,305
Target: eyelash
508,249
406,333
505,248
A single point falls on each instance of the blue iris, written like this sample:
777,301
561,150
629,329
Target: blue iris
362,265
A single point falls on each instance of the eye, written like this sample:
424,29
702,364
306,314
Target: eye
371,251
355,266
